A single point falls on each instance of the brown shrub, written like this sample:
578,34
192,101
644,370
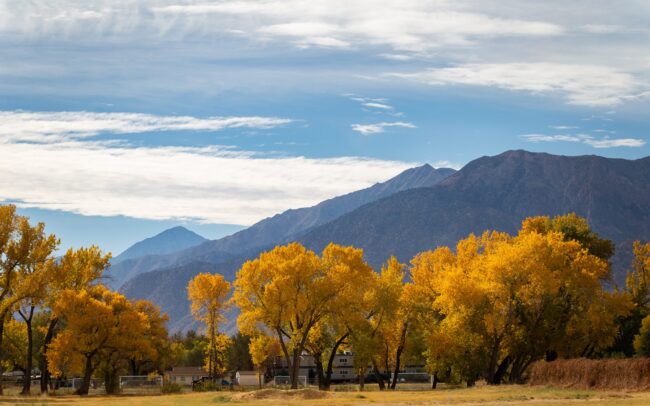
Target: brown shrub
610,374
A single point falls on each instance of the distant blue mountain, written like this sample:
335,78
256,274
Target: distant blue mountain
169,241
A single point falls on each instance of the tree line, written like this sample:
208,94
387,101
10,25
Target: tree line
55,313
486,309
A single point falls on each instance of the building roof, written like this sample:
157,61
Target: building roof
187,371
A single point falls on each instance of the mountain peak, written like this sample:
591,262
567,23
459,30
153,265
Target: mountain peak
177,230
173,239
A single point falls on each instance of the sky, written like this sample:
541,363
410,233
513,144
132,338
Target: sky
121,118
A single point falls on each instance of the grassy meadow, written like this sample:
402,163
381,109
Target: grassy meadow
513,395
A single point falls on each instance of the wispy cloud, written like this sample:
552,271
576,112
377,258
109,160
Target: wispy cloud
603,142
447,164
586,85
28,126
376,128
602,28
51,161
374,105
402,25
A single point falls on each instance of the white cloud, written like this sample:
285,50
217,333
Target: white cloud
66,169
563,127
604,142
376,128
69,125
602,28
374,105
447,164
402,25
586,85
396,57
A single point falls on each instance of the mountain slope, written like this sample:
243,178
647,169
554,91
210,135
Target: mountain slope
166,242
295,221
170,290
498,193
488,193
279,228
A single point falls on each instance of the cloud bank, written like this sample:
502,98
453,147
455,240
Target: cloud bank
603,142
401,25
585,85
51,161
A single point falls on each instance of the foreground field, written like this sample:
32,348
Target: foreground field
510,395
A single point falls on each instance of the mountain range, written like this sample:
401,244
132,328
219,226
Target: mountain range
273,230
421,209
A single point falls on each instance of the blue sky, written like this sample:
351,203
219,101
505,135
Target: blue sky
121,119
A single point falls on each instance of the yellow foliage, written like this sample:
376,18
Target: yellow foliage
638,280
98,322
501,296
208,296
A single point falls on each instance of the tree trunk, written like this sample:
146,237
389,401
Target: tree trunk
295,368
133,365
434,381
362,378
492,364
398,354
285,351
27,382
3,317
320,375
111,383
45,371
501,370
88,371
330,361
518,369
259,377
380,380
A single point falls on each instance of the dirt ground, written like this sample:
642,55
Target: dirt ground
486,395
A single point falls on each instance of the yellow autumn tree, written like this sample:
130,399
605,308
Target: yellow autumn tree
377,338
25,253
638,279
100,327
208,294
355,280
75,270
288,291
503,302
157,357
263,349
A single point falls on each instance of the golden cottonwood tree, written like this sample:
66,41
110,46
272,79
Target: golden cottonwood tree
288,291
99,326
503,302
377,338
155,356
208,296
25,256
637,282
352,306
263,349
76,270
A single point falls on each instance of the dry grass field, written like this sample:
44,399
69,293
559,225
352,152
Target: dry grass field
502,395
